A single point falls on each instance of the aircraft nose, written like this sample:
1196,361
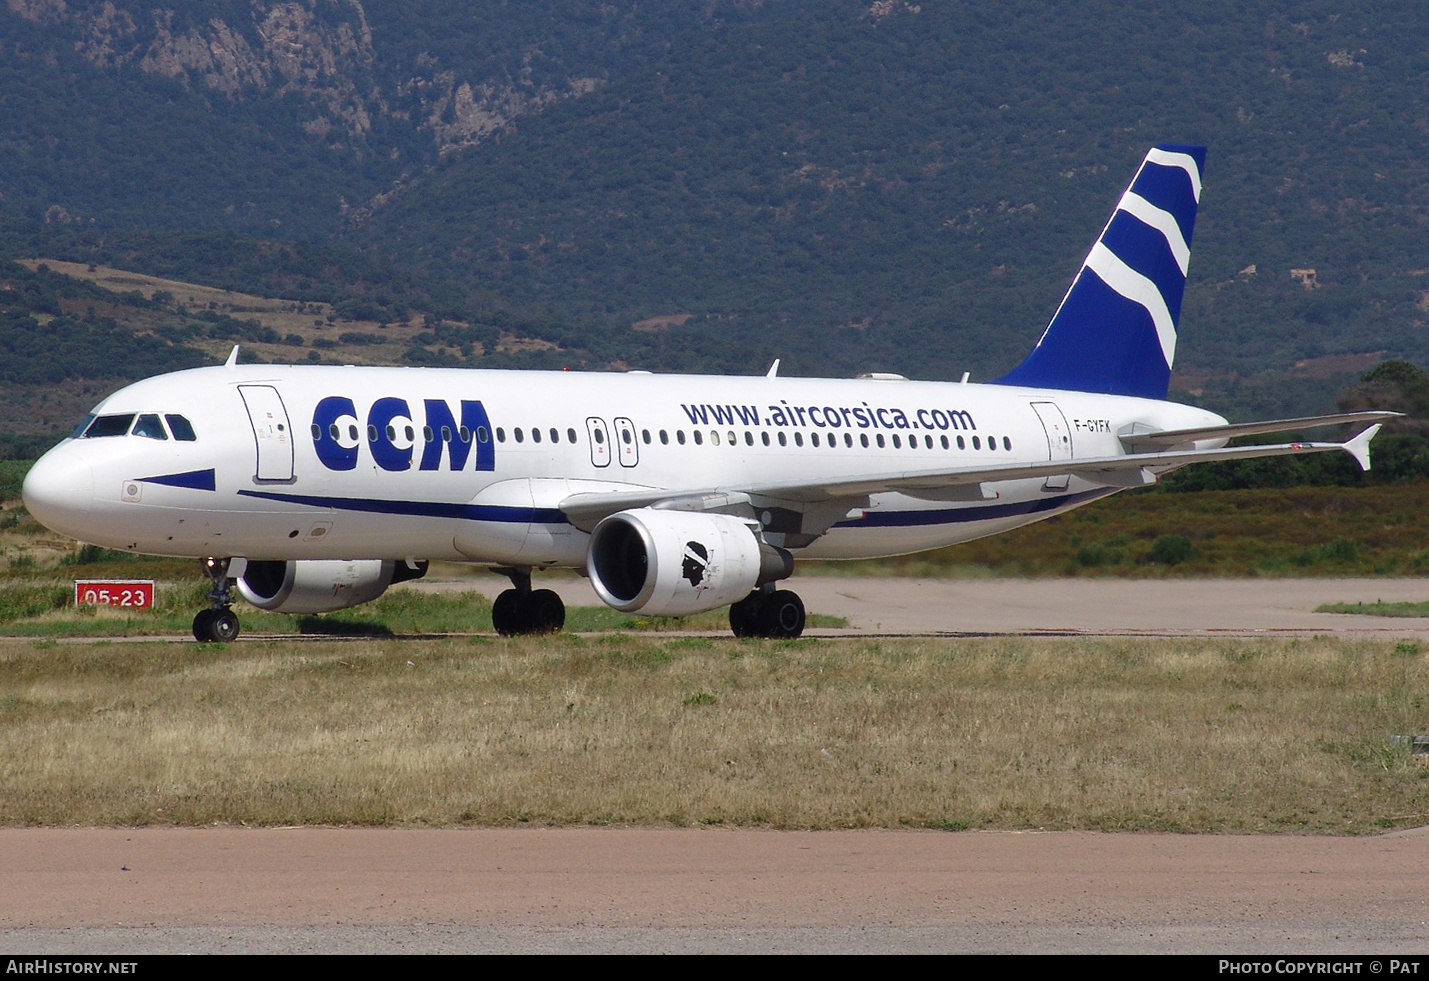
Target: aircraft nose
59,491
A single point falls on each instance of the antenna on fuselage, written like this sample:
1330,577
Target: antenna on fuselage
232,357
773,370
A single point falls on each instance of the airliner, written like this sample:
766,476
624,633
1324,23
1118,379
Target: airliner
311,488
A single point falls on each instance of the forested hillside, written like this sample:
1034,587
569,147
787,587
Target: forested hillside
845,185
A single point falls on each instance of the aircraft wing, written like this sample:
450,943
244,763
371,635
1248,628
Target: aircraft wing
956,483
1138,439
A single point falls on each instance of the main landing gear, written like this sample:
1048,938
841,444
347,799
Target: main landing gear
218,624
768,612
523,610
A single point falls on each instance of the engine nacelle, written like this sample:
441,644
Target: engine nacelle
321,585
673,563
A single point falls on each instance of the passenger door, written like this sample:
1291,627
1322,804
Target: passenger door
271,433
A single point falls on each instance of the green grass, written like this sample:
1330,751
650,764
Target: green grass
45,608
1377,609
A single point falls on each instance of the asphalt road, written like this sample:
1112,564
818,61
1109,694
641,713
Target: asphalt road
706,890
1109,606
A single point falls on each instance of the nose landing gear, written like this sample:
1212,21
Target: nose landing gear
217,624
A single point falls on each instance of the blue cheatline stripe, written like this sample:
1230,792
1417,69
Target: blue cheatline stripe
519,515
193,480
974,512
421,509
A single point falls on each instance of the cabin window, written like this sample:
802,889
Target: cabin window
410,433
645,435
664,438
798,439
764,436
535,435
571,435
879,440
714,438
945,441
481,434
1007,443
333,432
680,436
976,444
109,426
599,436
848,440
555,435
627,437
519,434
897,444
814,439
446,434
748,438
783,440
863,438
961,444
699,437
500,435
371,434
318,432
927,442
179,426
392,434
992,442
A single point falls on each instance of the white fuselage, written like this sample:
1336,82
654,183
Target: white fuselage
317,462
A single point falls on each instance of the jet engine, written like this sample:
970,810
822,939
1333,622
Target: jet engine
673,563
321,585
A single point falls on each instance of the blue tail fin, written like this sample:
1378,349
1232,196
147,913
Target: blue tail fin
1115,331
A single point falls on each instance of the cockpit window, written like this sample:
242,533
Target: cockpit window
109,426
183,432
150,427
79,430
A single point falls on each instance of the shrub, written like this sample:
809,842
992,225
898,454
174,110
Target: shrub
1171,549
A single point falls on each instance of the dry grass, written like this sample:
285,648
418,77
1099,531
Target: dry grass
1181,735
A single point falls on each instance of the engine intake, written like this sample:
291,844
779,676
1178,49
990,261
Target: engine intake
321,585
673,563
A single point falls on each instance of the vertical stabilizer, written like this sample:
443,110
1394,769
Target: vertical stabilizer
1115,331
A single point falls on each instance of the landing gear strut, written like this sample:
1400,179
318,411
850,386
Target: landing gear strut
774,613
218,623
523,610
